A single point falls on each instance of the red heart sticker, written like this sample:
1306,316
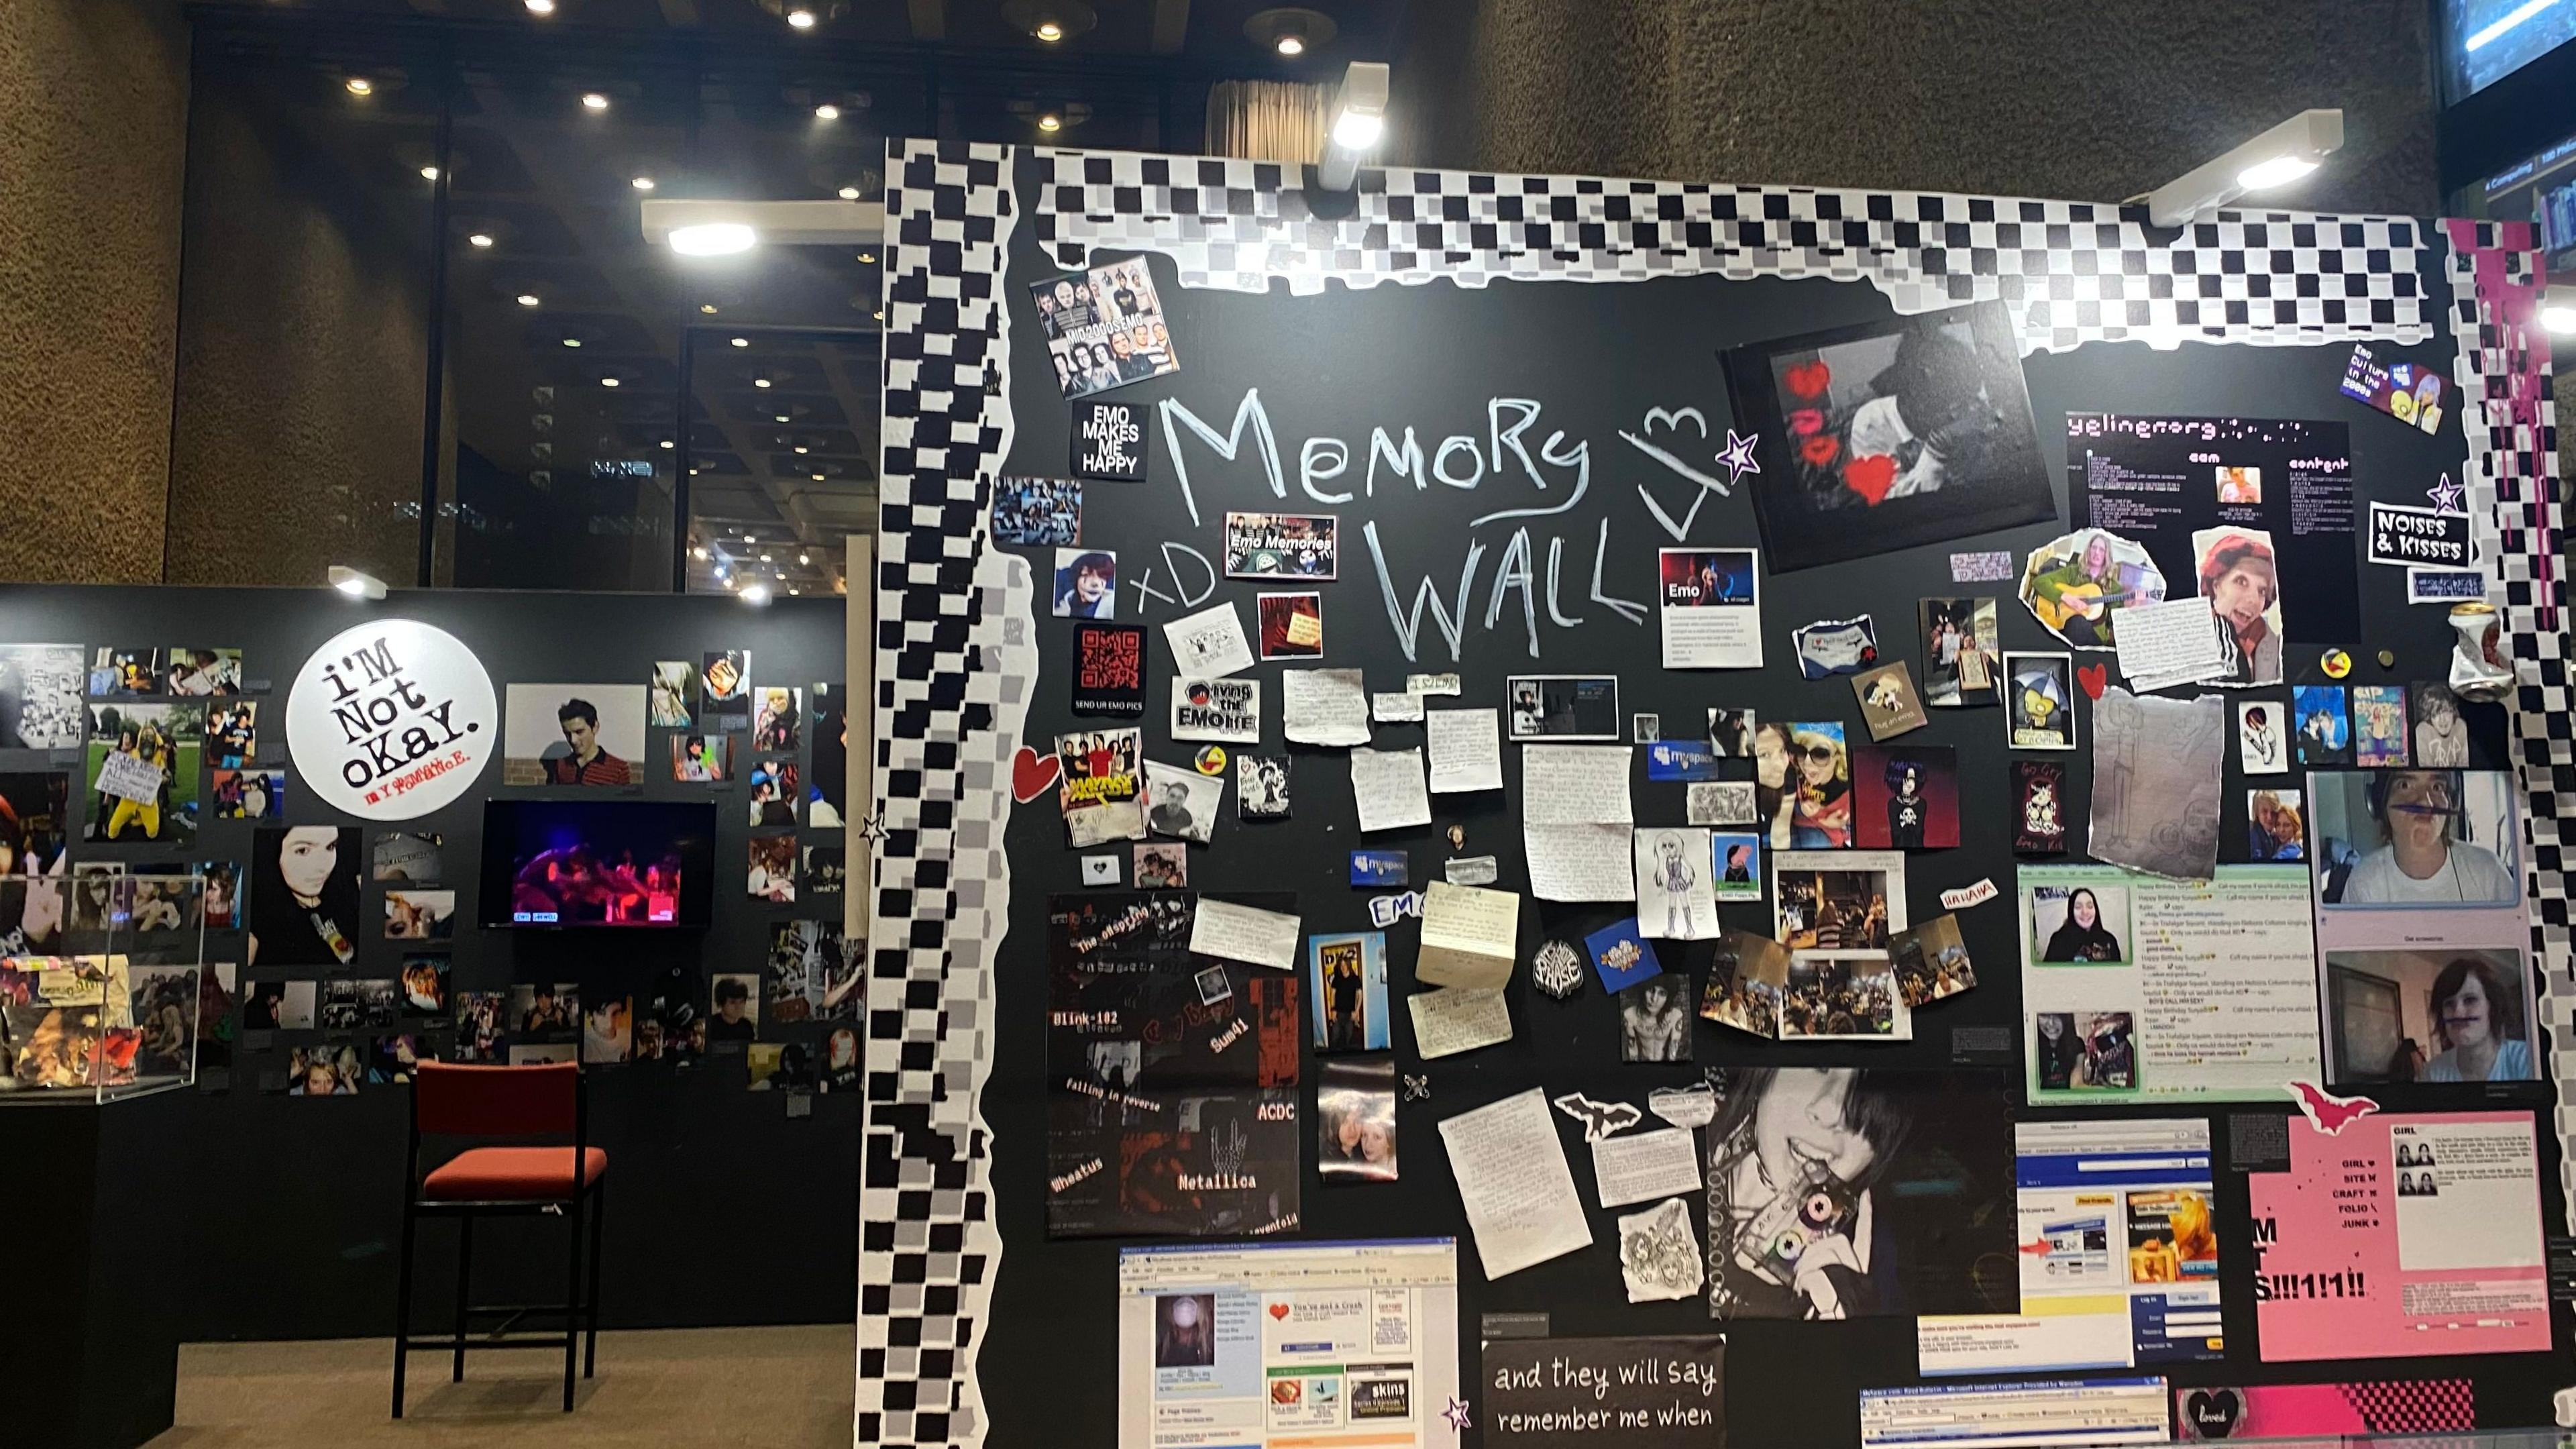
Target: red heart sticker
1808,379
1870,475
1033,774
2094,678
1279,1311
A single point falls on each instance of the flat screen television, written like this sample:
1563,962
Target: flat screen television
623,864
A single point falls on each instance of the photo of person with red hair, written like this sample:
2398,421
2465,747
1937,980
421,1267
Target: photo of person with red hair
2239,577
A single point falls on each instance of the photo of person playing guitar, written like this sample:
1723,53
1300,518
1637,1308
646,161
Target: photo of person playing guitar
2078,596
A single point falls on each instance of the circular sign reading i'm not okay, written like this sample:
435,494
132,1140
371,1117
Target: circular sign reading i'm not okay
391,720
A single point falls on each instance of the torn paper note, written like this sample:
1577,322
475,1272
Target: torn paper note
1466,749
1244,933
2175,642
1395,708
1324,706
1643,1165
2157,767
1575,785
1456,1019
1512,1177
1578,862
1387,785
1469,936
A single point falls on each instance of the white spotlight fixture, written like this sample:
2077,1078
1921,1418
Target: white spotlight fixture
827,112
742,342
1290,30
642,183
760,382
528,299
804,558
479,239
610,382
360,86
593,101
541,7
2558,310
429,173
699,553
849,193
713,239
572,342
1050,31
801,19
1359,123
355,584
1050,122
756,595
2278,157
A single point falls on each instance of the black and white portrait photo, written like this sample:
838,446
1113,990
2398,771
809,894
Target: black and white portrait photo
1181,803
1655,1020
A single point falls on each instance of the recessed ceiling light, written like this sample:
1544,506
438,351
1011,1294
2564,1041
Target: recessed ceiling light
804,558
849,193
593,101
480,239
780,574
827,112
801,19
642,183
667,443
746,535
541,7
700,554
742,342
764,558
865,257
1049,31
802,449
1292,46
608,382
760,382
360,86
429,173
528,299
818,477
1050,122
707,307
782,417
572,342
793,592
880,316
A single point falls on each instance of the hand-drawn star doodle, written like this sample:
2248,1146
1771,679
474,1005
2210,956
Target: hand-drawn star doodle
2445,495
872,828
1457,1415
1738,458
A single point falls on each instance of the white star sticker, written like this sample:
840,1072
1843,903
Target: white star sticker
1457,1415
2445,495
1738,458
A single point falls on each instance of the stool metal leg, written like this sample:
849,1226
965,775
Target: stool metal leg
572,1294
402,1306
598,1216
464,1276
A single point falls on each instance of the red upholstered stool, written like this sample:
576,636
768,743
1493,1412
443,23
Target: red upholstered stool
532,1101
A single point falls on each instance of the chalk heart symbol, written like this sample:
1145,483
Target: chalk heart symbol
1033,774
1673,419
1870,475
2095,679
1279,1311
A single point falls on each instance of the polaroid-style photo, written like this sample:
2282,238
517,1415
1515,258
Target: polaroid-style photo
778,718
772,869
1292,626
124,673
1261,787
1722,802
1213,986
2087,1051
1746,975
1182,803
670,692
1829,647
1906,798
1735,863
1381,869
424,985
2080,925
2039,701
145,764
1561,707
1888,703
724,689
1274,545
1037,512
1962,652
2076,585
2379,726
1086,584
1104,328
2430,1014
2262,737
1931,962
1889,435
1354,1122
40,696
2323,731
196,673
2441,734
774,793
1160,867
2235,570
1655,1020
2039,813
1802,784
702,759
303,907
1645,729
571,734
2275,826
232,733
248,794
736,1001
1346,974
1676,900
1711,608
2414,838
1730,733
420,915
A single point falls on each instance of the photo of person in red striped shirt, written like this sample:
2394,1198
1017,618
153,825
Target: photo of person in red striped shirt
588,763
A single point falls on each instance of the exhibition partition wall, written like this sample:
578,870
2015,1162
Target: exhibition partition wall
1966,834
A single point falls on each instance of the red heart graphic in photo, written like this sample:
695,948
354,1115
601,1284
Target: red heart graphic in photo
1808,379
2095,679
1821,450
1279,1311
1033,774
1870,475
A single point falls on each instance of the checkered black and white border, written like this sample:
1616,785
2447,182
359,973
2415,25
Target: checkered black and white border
2517,517
954,662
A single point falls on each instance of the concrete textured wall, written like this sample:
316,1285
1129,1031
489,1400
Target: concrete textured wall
303,346
95,99
2008,97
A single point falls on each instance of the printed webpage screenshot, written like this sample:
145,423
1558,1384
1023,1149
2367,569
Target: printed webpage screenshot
2119,1261
1311,1345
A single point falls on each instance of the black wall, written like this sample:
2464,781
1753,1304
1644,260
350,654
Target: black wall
721,1209
1596,356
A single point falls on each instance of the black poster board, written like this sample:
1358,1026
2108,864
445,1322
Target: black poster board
1497,519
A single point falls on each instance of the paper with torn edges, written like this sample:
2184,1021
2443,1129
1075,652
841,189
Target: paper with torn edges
1470,936
1395,708
1976,893
2157,765
1324,706
1575,785
1466,749
1244,933
2175,642
1387,785
1513,1180
1210,643
1472,870
1454,1019
1691,1106
1433,684
1644,1165
1579,862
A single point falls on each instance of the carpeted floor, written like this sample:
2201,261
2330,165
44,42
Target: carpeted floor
780,1388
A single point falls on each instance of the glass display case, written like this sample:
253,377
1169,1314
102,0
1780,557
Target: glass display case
105,996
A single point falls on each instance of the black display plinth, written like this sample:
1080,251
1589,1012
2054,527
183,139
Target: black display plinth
95,1350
